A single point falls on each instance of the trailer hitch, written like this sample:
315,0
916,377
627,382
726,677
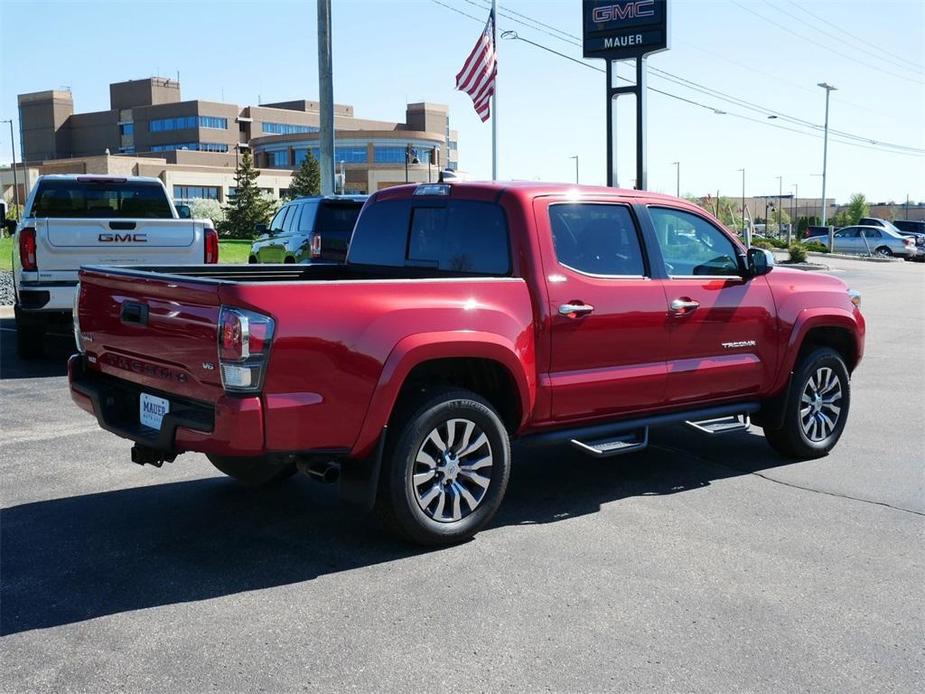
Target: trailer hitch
145,455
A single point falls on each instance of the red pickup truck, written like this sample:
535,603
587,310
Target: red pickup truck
467,315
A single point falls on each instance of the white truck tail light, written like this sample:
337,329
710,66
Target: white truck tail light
315,245
244,339
27,256
210,243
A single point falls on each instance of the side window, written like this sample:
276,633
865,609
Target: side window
276,226
872,234
289,225
597,239
692,246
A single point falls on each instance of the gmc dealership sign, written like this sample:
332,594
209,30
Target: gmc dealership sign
621,29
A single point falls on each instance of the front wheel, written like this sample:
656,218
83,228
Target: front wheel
817,407
253,472
445,474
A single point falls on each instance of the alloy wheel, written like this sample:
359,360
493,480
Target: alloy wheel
821,404
452,470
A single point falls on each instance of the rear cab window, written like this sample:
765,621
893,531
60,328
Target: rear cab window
101,198
450,236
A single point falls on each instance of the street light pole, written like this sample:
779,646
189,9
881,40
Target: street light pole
575,157
780,203
745,234
825,148
796,210
13,165
677,178
325,98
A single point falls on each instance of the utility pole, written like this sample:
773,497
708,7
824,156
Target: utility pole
825,148
575,157
494,96
326,98
677,179
16,182
745,235
796,211
780,204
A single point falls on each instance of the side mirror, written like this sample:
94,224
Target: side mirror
260,229
759,261
184,212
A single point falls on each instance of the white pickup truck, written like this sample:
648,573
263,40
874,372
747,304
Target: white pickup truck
74,220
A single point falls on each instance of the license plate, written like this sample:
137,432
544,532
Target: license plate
152,410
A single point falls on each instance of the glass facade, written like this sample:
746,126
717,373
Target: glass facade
160,125
127,129
279,159
349,154
395,154
194,146
287,128
190,192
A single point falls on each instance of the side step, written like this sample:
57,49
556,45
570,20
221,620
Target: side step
722,425
615,445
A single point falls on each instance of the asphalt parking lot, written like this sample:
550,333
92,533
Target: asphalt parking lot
702,564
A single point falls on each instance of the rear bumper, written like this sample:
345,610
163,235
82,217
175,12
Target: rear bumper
231,426
42,296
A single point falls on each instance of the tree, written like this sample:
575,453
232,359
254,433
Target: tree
857,207
202,208
307,180
248,207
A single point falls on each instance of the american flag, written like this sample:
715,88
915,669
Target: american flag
478,74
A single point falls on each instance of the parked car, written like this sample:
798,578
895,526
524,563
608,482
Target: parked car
309,230
874,240
74,220
466,316
813,231
915,230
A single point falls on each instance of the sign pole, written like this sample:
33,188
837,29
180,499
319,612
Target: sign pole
494,97
611,164
641,141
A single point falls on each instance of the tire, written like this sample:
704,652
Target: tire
884,252
464,489
30,336
252,260
289,260
805,434
253,472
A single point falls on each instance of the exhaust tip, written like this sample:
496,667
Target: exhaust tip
326,472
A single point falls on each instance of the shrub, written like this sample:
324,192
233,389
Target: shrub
778,243
797,253
762,243
815,247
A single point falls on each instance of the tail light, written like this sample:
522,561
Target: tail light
244,339
909,242
211,246
27,249
315,245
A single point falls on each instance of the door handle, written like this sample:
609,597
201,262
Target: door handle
575,310
681,307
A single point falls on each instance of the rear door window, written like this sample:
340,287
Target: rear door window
596,239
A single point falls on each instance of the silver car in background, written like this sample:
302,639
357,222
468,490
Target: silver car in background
864,240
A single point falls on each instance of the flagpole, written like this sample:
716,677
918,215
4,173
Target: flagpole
494,98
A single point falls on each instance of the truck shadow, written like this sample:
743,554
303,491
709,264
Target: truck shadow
73,559
59,345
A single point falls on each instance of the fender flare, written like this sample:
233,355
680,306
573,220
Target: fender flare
423,347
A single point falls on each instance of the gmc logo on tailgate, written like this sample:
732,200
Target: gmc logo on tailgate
123,238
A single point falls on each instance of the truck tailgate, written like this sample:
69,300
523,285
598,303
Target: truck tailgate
63,245
159,331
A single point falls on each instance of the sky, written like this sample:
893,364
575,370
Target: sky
769,53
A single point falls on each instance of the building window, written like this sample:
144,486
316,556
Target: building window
451,145
126,150
287,128
190,192
164,124
395,154
349,154
194,146
127,129
279,159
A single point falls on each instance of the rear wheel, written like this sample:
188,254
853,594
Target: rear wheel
289,259
884,252
817,407
445,474
253,472
252,260
30,336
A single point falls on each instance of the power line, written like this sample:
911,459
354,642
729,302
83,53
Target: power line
854,36
863,47
813,42
837,136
